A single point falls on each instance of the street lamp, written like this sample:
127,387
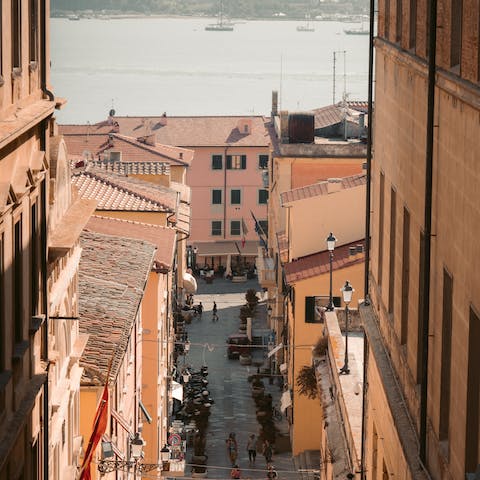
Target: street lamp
331,240
347,292
136,447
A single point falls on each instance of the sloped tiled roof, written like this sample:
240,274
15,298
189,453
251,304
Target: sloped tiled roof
112,276
187,131
282,241
82,139
321,188
119,192
319,263
162,237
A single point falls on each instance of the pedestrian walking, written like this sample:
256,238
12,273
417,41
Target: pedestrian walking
214,312
267,451
235,472
252,448
232,448
271,473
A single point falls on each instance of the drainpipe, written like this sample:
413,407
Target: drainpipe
43,146
369,154
367,234
432,47
225,196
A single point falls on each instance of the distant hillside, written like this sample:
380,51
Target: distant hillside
233,8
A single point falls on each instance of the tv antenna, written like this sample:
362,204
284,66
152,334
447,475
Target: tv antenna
344,52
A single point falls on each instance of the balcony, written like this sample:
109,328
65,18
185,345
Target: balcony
265,269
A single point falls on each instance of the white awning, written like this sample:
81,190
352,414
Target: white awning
189,283
273,351
285,401
177,391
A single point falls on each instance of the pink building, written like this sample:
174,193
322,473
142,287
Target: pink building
226,178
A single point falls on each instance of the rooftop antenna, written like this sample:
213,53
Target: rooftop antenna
344,72
281,76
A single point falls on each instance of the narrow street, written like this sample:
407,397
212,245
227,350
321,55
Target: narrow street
234,407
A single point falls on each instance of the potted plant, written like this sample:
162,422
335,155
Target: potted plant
251,298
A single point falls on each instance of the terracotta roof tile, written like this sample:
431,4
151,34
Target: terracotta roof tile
117,192
162,237
186,131
319,263
112,277
305,173
82,140
321,189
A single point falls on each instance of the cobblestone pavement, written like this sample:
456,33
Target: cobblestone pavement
234,407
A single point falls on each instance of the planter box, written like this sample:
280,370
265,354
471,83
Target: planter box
239,278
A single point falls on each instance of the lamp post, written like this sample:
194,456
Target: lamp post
136,451
331,240
347,292
165,458
194,259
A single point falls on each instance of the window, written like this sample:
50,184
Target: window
235,227
33,33
386,27
393,221
263,161
412,40
380,228
399,21
421,302
456,32
216,197
446,355
18,283
2,303
405,276
236,162
16,34
34,264
217,161
473,397
216,228
235,197
262,196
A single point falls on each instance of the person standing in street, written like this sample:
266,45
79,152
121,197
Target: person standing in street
252,448
214,312
267,451
232,448
271,473
235,472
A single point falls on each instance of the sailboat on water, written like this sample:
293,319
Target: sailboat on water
306,27
222,25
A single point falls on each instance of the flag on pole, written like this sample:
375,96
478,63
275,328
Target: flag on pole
262,235
244,232
99,427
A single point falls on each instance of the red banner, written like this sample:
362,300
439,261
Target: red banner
99,427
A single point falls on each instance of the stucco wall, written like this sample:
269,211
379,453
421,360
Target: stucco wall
203,179
312,219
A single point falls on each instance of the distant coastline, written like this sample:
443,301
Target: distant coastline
106,15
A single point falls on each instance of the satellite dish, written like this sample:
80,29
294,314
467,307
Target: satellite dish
111,113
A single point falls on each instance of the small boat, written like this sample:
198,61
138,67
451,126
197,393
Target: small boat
306,27
221,25
357,31
73,17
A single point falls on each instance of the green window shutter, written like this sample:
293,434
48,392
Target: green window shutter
244,162
217,162
309,309
229,162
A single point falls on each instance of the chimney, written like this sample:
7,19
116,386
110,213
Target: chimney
274,103
180,155
284,126
334,185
